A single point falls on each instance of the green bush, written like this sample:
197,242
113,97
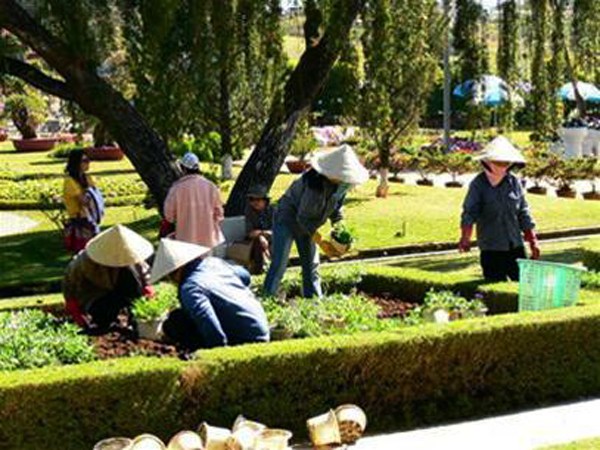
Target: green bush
403,379
62,151
591,256
33,338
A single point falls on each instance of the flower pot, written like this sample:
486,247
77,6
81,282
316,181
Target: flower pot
538,190
297,166
118,443
34,145
397,179
151,329
324,430
214,438
340,248
3,135
147,442
106,153
438,315
573,139
185,440
422,182
273,439
352,422
566,193
593,195
453,184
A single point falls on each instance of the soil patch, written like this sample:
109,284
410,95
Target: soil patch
391,307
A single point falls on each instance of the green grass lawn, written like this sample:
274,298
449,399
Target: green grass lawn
426,214
585,444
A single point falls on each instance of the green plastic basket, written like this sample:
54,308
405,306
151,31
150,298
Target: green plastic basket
545,285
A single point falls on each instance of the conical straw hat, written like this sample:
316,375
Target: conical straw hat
341,164
118,247
500,149
171,255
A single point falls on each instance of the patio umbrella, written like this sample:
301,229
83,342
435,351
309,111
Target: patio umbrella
488,90
588,92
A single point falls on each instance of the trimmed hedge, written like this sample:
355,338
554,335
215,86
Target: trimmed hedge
591,256
416,376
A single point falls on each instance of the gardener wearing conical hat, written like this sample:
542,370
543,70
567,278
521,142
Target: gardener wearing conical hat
313,198
218,306
496,205
106,276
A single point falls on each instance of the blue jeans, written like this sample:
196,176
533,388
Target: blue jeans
309,260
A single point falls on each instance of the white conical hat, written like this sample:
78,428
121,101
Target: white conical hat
500,149
340,164
118,247
171,255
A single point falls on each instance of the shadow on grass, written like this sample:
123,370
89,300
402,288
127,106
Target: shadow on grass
6,152
440,264
48,176
50,162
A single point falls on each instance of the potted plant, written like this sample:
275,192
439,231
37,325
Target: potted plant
564,173
537,169
27,110
303,145
456,164
590,171
573,133
425,161
341,238
151,312
104,148
399,161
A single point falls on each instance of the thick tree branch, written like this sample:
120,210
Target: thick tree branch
35,77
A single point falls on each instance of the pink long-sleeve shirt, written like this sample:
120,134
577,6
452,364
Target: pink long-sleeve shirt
194,205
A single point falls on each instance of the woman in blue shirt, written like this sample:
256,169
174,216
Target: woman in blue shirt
496,205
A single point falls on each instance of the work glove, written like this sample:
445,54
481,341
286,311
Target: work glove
531,238
74,310
148,291
464,245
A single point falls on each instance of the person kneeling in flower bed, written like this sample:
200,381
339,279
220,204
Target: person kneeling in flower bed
218,307
106,277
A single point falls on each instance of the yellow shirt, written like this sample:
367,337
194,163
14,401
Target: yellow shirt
72,192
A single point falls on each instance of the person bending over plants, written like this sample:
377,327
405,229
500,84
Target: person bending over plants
106,277
313,198
496,204
217,306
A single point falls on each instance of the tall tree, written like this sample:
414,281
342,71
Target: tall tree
539,71
302,87
468,46
401,52
585,39
508,51
557,63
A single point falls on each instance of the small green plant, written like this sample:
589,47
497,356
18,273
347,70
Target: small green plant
62,151
342,234
165,299
32,338
334,314
456,306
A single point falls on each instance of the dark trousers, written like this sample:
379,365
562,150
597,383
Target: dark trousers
501,265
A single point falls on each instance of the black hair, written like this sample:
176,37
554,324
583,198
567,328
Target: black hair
315,180
187,171
74,167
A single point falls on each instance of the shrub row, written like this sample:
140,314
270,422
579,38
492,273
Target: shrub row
403,379
591,256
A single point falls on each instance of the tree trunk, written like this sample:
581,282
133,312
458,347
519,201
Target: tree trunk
383,187
304,84
145,149
225,127
101,135
23,123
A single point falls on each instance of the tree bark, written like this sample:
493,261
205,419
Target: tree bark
145,149
304,84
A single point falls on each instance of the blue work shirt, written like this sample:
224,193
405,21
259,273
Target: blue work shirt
216,296
500,212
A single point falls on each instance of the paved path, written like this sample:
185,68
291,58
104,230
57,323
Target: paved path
14,224
522,431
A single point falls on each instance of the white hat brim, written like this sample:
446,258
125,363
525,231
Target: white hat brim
118,247
172,254
500,149
340,164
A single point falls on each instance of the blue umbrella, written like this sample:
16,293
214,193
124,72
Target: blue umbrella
489,90
588,92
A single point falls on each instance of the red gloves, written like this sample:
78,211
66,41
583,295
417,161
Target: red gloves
529,236
73,309
148,291
166,228
464,245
